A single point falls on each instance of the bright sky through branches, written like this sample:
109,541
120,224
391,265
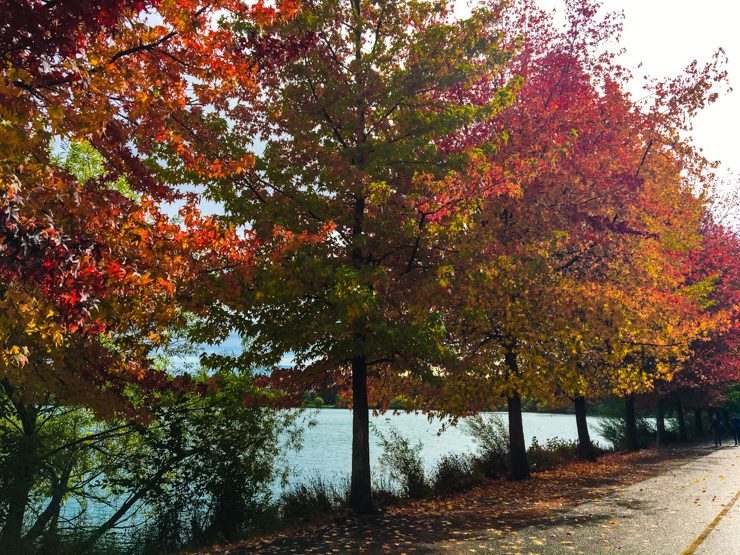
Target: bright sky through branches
665,36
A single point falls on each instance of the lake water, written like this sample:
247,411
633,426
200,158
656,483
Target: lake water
327,446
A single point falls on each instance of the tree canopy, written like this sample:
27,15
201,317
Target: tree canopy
454,211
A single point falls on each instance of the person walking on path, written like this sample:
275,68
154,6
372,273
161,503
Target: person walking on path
716,425
735,427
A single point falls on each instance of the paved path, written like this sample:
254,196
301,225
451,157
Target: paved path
676,501
691,509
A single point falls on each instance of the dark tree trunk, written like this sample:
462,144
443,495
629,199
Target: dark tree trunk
585,448
519,464
660,421
682,433
630,424
360,492
698,424
22,480
17,504
360,489
517,447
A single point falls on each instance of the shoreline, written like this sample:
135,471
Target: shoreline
499,507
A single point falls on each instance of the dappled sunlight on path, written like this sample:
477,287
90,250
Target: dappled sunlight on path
497,510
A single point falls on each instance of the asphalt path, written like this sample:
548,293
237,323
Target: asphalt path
689,509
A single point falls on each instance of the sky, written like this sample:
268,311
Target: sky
665,36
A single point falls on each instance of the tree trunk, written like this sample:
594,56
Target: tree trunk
517,447
519,464
682,433
22,480
360,489
360,492
585,447
630,421
698,424
17,504
660,421
50,515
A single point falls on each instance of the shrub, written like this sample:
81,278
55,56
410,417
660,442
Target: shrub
492,436
555,452
402,462
613,430
312,501
199,470
457,473
385,490
672,434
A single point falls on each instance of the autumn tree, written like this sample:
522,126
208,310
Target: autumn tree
94,274
565,288
358,185
712,366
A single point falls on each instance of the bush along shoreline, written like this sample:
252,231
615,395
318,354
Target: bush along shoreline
402,478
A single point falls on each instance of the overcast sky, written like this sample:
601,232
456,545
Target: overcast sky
665,36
